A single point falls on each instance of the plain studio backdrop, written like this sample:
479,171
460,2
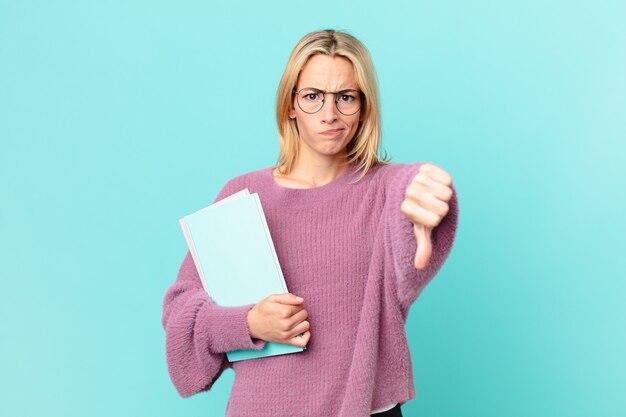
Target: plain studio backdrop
119,117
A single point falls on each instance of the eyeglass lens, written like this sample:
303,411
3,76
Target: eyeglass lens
311,100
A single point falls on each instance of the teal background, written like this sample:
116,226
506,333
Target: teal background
119,117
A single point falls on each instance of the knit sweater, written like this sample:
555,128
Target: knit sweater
348,250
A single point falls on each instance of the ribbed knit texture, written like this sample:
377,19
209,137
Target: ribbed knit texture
348,250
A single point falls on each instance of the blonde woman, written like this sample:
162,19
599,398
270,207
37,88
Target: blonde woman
357,237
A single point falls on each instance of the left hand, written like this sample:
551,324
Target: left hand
426,204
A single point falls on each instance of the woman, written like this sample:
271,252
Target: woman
358,238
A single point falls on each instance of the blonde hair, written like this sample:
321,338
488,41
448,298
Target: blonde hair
363,148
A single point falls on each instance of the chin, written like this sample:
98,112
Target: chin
333,152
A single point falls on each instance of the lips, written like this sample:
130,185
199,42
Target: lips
332,132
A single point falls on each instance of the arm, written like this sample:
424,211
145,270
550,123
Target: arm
199,332
401,240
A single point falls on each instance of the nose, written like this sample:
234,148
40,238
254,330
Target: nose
329,109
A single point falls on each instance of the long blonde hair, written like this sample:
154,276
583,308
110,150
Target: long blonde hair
363,148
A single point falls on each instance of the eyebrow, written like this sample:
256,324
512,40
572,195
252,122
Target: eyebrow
336,91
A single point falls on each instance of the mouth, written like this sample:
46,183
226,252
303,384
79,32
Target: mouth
332,132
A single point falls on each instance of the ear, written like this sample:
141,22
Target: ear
292,113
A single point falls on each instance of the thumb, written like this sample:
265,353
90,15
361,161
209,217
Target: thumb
424,245
287,298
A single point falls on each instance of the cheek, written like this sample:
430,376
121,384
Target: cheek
304,125
354,123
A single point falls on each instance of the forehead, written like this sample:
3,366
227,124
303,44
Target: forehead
327,73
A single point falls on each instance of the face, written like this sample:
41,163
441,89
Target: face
327,132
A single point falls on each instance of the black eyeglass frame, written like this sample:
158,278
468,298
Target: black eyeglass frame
336,93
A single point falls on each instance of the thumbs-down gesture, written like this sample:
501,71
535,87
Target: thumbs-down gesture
426,204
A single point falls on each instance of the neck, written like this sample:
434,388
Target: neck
319,171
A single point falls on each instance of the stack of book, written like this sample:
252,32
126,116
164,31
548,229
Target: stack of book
235,257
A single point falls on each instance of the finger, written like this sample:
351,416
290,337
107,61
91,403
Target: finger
418,214
424,245
436,173
296,318
301,328
286,298
426,200
286,311
301,340
442,191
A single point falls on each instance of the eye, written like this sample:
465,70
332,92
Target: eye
311,96
347,98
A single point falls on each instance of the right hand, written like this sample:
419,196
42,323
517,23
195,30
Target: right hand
280,318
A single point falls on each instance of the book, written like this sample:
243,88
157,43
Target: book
234,254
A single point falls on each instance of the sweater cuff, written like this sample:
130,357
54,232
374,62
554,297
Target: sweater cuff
226,328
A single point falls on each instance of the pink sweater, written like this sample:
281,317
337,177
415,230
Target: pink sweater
348,250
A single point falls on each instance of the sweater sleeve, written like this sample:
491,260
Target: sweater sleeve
199,332
400,238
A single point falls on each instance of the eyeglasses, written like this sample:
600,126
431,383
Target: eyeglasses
311,100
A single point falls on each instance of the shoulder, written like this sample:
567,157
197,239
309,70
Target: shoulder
384,175
237,183
391,173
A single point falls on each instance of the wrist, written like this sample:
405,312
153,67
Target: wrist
250,322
